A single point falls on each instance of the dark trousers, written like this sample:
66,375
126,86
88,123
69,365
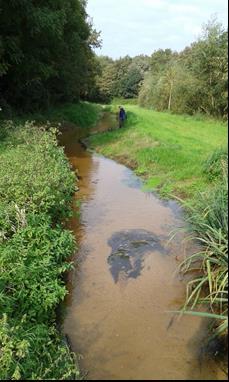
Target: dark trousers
121,123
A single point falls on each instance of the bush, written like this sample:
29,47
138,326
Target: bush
33,352
36,187
31,264
34,172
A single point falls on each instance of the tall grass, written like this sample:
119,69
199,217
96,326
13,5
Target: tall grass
208,291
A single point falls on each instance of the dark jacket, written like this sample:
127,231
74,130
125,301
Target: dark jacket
122,114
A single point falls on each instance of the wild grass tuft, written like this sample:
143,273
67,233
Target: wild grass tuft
208,291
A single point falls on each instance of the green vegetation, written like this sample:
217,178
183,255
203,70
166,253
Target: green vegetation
167,150
34,252
47,64
82,114
192,81
46,53
209,219
119,78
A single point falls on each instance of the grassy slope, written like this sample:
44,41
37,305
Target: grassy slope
83,114
168,150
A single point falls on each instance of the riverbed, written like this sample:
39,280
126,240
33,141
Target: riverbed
125,286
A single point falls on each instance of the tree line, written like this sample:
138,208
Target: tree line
46,52
194,80
46,58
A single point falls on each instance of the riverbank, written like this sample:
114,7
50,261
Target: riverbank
36,190
184,157
125,284
34,252
28,156
167,151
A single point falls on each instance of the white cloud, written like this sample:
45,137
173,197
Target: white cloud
141,26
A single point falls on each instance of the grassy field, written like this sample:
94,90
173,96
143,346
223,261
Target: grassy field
167,150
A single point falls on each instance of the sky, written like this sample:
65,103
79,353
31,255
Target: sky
132,27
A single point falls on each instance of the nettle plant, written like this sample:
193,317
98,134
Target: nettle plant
34,172
36,187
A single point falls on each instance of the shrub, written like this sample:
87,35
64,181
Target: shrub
36,187
31,351
34,172
31,264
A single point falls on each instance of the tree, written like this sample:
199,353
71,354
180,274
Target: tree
193,80
46,54
208,60
131,82
119,78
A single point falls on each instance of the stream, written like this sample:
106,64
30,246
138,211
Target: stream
125,287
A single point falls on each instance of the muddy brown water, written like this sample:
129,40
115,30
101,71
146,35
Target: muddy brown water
125,286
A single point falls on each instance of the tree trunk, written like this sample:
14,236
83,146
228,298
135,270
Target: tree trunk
170,96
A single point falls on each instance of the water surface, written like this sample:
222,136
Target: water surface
124,286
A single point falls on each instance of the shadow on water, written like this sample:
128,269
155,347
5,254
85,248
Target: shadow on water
129,249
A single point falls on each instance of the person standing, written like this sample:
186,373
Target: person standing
122,116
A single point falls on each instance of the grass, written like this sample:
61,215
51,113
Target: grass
209,222
167,150
82,114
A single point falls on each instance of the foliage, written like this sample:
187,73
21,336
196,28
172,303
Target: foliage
34,249
192,81
208,61
131,83
173,89
23,167
209,219
83,114
33,352
30,270
45,52
119,78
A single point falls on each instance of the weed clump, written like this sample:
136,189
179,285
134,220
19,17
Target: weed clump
209,220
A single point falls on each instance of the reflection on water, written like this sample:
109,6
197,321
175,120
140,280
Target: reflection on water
131,180
124,284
